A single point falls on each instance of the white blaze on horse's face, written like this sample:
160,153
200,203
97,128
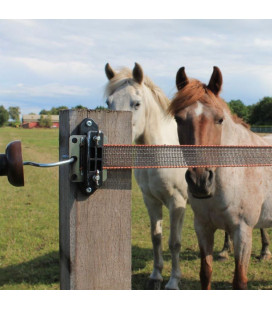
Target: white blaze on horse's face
129,98
199,109
200,125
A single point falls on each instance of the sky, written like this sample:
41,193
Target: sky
54,62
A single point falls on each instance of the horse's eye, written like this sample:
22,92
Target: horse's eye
220,121
137,105
178,119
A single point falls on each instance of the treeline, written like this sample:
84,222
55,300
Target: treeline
258,114
55,111
12,113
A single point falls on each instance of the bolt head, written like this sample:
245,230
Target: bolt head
88,190
89,123
97,138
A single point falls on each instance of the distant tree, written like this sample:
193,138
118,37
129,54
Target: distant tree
79,107
250,111
101,108
42,121
44,112
53,111
31,113
46,121
14,113
237,107
262,112
4,116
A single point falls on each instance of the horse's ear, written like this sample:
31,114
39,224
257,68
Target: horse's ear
138,73
181,78
109,72
216,81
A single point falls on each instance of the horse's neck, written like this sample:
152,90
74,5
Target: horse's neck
236,134
165,132
159,129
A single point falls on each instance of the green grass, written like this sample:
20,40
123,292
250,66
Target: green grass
29,216
29,257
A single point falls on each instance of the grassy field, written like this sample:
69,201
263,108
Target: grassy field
29,230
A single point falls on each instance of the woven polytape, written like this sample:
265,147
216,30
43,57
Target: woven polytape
183,156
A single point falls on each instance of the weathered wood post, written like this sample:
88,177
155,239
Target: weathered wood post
95,233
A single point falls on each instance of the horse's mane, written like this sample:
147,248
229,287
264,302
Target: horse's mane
196,91
125,76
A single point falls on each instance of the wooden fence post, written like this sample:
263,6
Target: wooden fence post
95,233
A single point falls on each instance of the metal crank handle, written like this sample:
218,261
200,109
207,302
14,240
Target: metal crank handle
59,163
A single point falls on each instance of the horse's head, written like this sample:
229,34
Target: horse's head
199,113
125,92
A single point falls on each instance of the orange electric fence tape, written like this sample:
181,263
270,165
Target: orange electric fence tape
184,156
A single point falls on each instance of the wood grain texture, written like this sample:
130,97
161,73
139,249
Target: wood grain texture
95,233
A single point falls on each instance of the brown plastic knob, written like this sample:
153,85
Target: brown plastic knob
11,164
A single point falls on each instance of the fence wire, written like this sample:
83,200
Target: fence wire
180,156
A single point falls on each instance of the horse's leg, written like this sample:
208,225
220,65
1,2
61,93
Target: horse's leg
205,236
177,211
224,253
154,208
265,253
242,243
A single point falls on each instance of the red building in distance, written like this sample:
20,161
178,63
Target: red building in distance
33,120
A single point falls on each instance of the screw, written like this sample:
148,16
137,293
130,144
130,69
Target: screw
89,123
88,190
97,138
96,177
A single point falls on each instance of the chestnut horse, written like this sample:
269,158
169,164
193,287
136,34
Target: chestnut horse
234,199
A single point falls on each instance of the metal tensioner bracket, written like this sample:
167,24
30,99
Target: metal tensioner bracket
85,159
87,148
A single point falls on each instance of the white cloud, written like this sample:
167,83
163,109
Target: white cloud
67,57
56,69
47,90
82,40
199,40
267,43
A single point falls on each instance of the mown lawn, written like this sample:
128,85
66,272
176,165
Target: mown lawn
29,216
29,229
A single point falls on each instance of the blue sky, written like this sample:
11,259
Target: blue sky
46,63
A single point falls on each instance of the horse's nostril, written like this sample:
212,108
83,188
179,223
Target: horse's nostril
210,178
187,175
190,177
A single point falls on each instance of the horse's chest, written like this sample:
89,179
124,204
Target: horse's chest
161,184
236,199
209,212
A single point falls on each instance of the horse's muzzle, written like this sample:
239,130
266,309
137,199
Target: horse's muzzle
201,182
